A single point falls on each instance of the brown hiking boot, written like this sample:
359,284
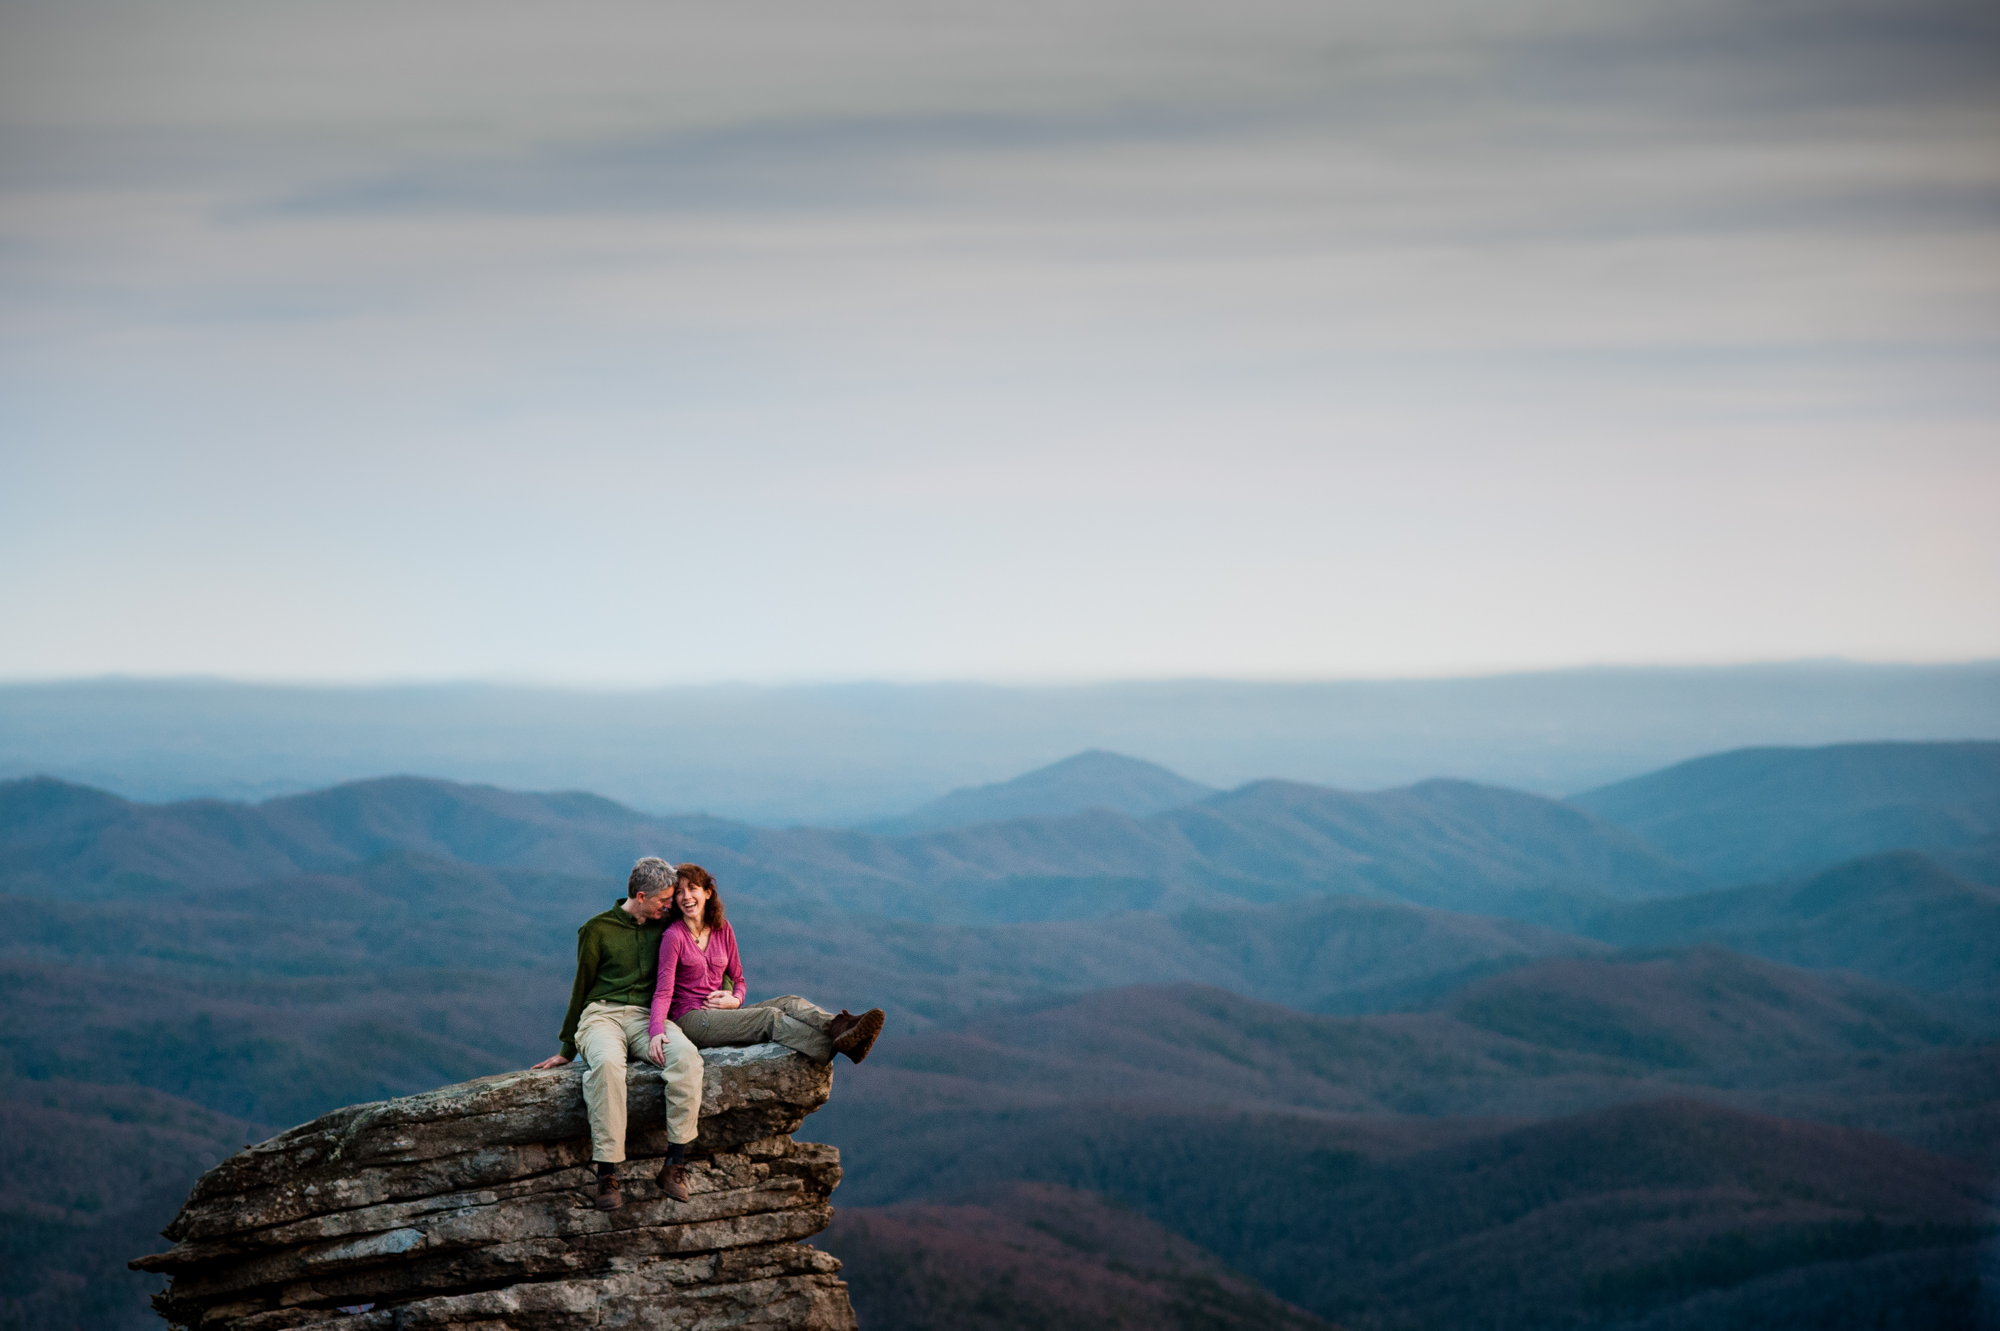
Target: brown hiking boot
843,1022
857,1039
674,1181
608,1196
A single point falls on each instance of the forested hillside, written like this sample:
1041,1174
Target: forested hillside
1767,813
1381,1060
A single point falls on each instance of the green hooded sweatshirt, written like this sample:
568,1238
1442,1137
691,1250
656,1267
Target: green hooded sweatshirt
617,958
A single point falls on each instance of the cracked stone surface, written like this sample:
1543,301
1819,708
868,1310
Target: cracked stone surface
470,1206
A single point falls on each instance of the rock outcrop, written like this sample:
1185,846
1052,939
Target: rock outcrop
470,1207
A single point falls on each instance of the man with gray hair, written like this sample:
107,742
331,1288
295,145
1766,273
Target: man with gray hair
610,1008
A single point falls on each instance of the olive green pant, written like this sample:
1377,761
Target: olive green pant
611,1035
791,1021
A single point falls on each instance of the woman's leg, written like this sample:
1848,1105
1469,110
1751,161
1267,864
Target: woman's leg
794,1032
800,1010
797,1024
772,1019
680,1079
708,1028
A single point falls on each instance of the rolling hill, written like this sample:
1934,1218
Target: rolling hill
398,924
1769,813
1093,779
1440,843
1585,1220
1553,1037
1702,1014
60,840
1279,1005
88,1175
1530,1152
1898,917
1034,1255
1322,954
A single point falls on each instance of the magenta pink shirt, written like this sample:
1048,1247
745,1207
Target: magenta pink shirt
688,975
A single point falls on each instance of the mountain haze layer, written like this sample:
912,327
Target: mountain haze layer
845,754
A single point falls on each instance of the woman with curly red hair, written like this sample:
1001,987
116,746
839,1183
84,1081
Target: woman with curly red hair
701,988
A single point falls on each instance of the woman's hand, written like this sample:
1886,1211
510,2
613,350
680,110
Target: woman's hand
723,998
656,1049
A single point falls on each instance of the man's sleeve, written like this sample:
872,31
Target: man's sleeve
587,955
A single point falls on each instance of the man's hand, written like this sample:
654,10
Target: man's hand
656,1049
555,1061
722,998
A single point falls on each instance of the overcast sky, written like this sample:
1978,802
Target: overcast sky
663,342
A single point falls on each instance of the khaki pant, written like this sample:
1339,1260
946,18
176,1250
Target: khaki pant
791,1021
608,1036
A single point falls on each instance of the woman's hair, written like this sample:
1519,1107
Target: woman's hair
712,915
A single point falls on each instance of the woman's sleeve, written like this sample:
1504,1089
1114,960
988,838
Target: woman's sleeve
736,967
663,983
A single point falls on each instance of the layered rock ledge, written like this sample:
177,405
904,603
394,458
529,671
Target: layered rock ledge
470,1206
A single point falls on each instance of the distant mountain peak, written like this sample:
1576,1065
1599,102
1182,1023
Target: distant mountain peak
1769,813
1093,779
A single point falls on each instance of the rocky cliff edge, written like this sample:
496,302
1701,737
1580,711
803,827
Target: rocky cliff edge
469,1206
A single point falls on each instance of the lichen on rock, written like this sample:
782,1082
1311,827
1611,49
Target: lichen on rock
470,1206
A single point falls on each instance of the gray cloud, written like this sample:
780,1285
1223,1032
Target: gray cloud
1417,313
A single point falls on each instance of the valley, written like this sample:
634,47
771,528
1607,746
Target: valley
1368,1059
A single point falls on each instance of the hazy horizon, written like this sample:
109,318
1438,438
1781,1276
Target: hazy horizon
1052,681
840,754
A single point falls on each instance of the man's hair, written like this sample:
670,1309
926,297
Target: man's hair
650,876
711,914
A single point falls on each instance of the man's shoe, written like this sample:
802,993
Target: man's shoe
608,1196
674,1181
843,1022
856,1040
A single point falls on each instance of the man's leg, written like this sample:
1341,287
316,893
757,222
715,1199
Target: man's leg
772,1019
680,1084
600,1040
680,1076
